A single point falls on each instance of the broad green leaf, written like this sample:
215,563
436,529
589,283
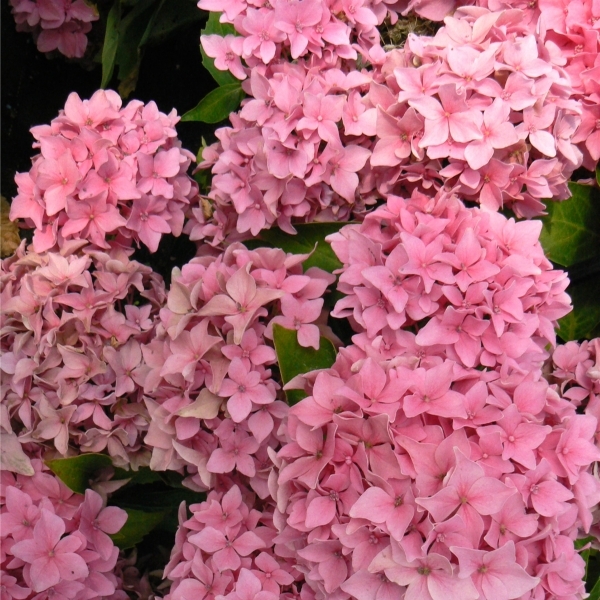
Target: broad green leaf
582,322
585,554
174,15
216,105
77,471
139,7
592,573
309,235
598,174
154,498
221,77
133,29
111,43
138,525
571,230
214,26
595,592
294,359
162,495
151,22
141,476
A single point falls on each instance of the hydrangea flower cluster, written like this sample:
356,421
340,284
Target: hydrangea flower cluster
272,31
433,456
576,369
72,350
449,451
430,462
481,281
55,543
569,30
105,170
482,108
56,24
489,106
403,481
208,384
285,158
226,550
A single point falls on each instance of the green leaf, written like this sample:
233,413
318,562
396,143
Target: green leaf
216,105
135,26
571,231
598,174
111,43
585,554
174,15
214,26
162,494
139,7
309,235
294,359
141,476
77,471
592,572
582,322
138,525
151,21
154,499
595,592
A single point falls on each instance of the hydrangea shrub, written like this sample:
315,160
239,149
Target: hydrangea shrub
381,412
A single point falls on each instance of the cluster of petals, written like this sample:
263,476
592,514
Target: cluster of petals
576,370
73,324
55,543
56,24
449,452
226,550
295,152
276,31
412,476
487,107
105,171
489,295
214,402
570,33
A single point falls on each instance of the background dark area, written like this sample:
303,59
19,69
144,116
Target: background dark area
35,87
